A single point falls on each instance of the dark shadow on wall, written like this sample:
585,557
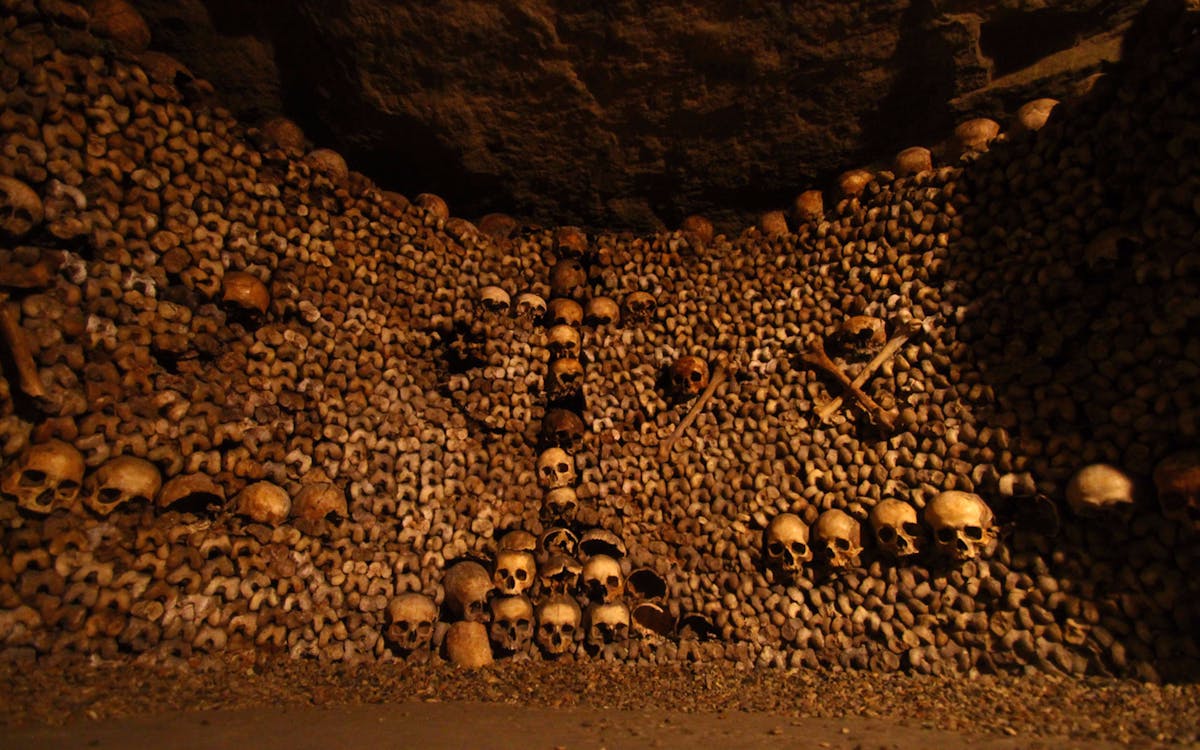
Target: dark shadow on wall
1072,281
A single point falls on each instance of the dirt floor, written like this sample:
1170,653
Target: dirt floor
296,704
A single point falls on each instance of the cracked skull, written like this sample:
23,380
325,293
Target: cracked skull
602,311
785,544
640,307
565,379
838,539
897,530
961,522
493,299
562,428
512,623
560,503
555,469
564,312
47,476
558,624
411,618
514,572
320,500
121,480
559,573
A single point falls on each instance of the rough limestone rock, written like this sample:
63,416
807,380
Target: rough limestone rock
617,114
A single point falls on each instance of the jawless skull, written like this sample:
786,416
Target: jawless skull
785,544
838,539
962,524
897,531
120,481
411,618
47,476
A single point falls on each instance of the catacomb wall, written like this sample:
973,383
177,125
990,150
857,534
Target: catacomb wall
1046,290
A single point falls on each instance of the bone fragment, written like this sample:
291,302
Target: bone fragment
18,346
889,350
718,376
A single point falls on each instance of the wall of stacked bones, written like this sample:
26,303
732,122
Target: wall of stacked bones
251,400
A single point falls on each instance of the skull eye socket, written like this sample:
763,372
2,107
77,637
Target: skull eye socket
912,529
973,532
612,582
568,629
775,549
562,468
945,535
522,575
695,376
842,544
33,478
402,626
547,628
886,534
425,628
109,495
475,607
799,549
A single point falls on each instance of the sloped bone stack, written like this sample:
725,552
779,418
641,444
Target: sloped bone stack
1056,275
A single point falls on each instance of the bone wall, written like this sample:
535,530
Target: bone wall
1051,284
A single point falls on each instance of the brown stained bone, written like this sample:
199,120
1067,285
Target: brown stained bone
889,350
19,348
720,372
815,355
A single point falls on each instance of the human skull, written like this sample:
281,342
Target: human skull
565,378
467,586
607,623
1100,489
838,539
809,206
563,342
602,579
912,161
20,208
530,307
1177,479
862,333
773,223
558,539
974,136
558,624
560,503
493,299
785,544
559,574
640,307
1034,114
512,623
244,292
562,428
434,204
698,227
264,502
328,162
467,645
514,572
410,621
961,522
320,500
47,476
121,480
602,311
555,469
518,540
897,530
570,242
567,278
687,377
852,182
191,489
600,541
565,312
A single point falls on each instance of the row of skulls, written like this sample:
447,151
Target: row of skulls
961,526
51,475
501,600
